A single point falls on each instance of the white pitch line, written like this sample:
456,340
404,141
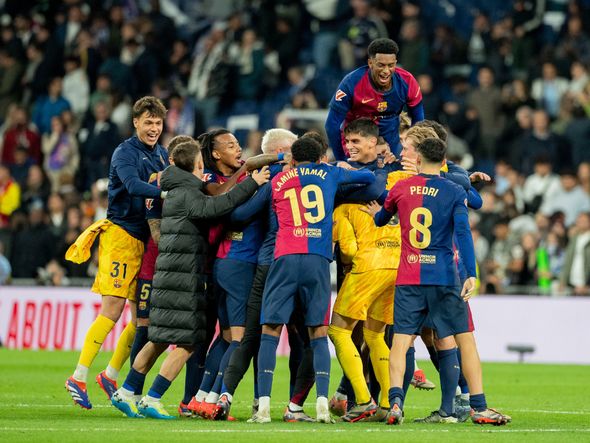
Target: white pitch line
266,430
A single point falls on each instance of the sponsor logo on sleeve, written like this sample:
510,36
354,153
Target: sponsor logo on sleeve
149,203
340,94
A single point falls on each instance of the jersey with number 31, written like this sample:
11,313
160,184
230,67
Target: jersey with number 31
303,200
426,205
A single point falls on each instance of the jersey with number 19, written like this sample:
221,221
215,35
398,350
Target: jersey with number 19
303,200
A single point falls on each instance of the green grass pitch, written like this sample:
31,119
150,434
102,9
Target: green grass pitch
546,402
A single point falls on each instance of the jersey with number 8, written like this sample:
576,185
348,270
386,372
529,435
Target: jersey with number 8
303,200
426,205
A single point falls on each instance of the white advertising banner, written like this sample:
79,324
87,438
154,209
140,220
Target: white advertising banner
57,319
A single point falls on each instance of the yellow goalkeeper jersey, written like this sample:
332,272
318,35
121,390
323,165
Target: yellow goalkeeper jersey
362,244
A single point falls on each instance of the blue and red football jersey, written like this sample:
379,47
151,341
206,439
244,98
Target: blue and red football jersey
356,97
431,208
237,242
303,200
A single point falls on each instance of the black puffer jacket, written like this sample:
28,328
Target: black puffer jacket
177,313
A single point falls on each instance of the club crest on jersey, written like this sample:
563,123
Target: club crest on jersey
117,283
340,94
149,203
382,106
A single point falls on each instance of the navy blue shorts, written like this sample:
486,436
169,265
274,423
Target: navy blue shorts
305,277
233,280
143,293
442,305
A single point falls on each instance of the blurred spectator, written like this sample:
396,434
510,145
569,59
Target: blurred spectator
570,199
37,73
575,44
56,216
549,89
515,95
10,196
413,54
37,187
49,106
326,23
181,116
143,64
577,133
103,91
88,55
33,245
53,275
541,183
580,77
5,268
523,263
497,263
446,50
20,168
76,86
98,141
67,32
541,142
210,75
431,100
119,72
248,57
11,71
61,154
121,114
21,134
527,16
486,100
576,268
480,42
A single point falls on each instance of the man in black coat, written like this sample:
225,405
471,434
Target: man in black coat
177,313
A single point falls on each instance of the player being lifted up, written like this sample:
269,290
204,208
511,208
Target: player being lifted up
432,209
303,199
378,91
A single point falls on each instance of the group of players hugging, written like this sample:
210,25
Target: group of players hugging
247,246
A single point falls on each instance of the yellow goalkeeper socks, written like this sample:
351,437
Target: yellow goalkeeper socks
122,351
95,336
351,362
379,353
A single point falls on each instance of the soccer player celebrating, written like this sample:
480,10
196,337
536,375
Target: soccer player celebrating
303,199
432,210
378,91
122,237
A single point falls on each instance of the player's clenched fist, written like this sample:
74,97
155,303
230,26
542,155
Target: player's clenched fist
261,176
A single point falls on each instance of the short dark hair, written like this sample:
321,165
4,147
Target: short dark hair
433,150
184,155
382,46
152,105
320,139
177,140
363,126
306,149
440,130
207,142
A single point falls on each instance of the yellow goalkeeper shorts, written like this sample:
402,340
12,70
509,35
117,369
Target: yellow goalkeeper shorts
119,260
367,294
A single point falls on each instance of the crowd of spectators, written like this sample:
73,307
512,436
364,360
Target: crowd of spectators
510,81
